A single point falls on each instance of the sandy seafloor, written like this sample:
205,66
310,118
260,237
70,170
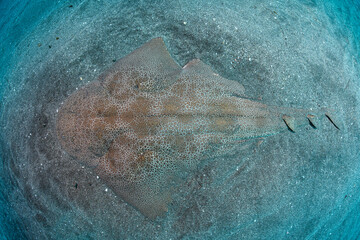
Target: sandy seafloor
303,185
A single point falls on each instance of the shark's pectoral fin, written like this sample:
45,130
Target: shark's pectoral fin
201,72
148,68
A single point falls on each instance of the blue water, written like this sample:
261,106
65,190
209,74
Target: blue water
286,53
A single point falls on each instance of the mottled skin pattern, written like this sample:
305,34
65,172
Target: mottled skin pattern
146,122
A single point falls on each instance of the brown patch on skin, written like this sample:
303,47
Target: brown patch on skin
111,115
139,162
260,122
111,87
193,85
178,89
142,83
138,117
141,106
141,158
112,160
144,157
222,124
224,107
172,106
99,106
99,129
146,126
119,77
127,116
123,97
185,118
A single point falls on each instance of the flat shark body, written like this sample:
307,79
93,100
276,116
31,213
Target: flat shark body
146,122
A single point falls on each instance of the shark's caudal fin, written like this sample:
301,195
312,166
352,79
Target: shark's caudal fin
332,119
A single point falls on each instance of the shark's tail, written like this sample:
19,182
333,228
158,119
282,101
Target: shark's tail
313,118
